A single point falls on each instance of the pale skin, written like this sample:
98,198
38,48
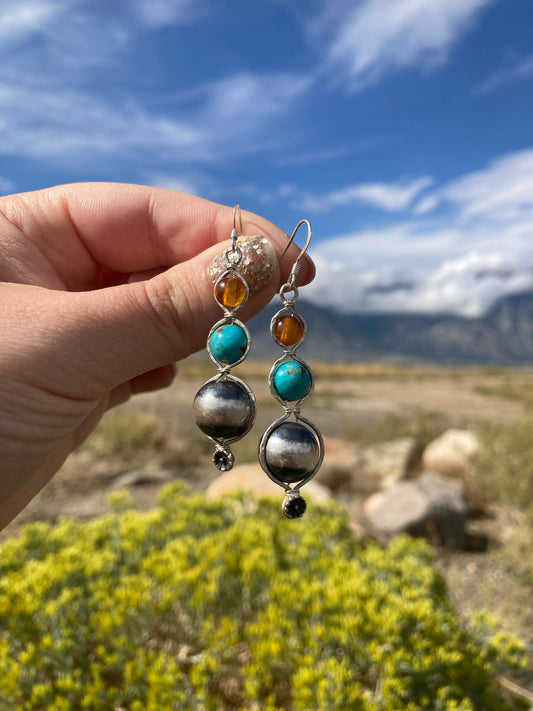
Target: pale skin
103,287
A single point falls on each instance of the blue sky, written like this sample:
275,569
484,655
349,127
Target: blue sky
403,129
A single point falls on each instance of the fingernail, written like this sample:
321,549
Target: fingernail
257,263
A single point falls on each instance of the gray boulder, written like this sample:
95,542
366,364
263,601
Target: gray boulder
430,506
385,463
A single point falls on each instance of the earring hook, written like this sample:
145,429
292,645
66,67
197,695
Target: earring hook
291,284
234,233
234,254
291,240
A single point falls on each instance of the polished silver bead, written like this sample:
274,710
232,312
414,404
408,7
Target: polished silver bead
292,451
224,409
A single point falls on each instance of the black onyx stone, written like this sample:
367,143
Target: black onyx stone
223,460
294,506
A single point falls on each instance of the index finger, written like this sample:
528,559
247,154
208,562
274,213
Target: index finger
131,228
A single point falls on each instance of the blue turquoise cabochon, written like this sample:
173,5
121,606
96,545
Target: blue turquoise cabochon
228,343
292,380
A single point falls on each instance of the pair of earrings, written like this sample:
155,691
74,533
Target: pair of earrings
292,449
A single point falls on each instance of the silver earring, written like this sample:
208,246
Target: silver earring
291,449
224,408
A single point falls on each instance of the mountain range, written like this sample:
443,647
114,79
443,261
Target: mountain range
503,335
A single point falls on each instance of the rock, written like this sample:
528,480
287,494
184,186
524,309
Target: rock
251,478
385,463
149,474
432,481
454,452
359,523
341,462
346,468
429,506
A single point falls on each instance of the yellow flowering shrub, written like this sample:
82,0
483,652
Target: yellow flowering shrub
211,605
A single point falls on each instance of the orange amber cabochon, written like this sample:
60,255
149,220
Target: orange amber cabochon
230,292
288,330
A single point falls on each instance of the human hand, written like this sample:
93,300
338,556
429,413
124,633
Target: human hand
102,287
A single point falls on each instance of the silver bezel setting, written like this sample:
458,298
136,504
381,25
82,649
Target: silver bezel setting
287,357
231,273
224,441
228,321
263,444
288,309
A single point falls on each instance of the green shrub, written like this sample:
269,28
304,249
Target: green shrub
225,605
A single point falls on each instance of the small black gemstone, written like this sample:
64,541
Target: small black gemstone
294,506
223,460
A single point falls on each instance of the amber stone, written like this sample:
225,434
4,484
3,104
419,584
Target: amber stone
230,291
288,330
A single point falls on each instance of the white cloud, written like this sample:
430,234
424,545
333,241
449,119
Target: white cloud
502,191
245,100
22,18
81,34
19,19
460,261
467,283
377,37
63,99
38,120
521,70
65,44
404,245
427,204
45,123
471,283
158,13
391,197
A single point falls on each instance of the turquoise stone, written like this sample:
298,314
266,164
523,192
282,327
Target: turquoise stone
291,380
228,343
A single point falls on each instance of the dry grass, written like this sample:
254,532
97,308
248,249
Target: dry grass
134,435
506,465
125,433
200,366
513,389
423,426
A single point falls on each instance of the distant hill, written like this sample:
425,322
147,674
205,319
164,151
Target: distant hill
504,335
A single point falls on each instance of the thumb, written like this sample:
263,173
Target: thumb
113,335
